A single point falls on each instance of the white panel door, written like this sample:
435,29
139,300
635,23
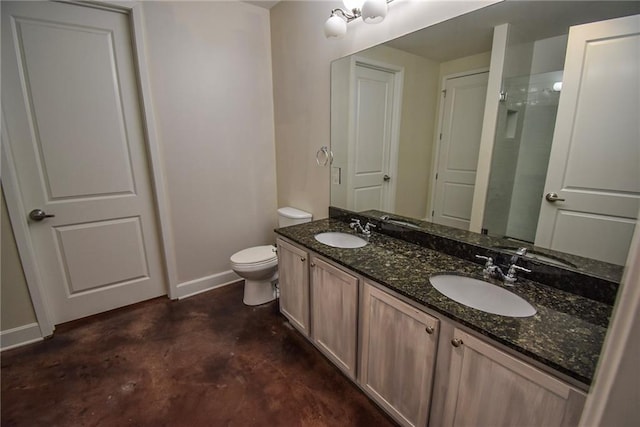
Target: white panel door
70,99
371,150
595,156
459,146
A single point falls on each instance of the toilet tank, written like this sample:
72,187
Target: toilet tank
291,216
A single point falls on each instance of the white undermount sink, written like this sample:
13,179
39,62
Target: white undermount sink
482,295
340,240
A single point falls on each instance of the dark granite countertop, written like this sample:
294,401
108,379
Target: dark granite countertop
574,263
566,333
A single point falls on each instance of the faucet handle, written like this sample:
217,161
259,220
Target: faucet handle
511,278
354,223
488,259
514,267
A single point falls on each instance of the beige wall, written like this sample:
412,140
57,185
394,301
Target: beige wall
210,71
301,79
15,302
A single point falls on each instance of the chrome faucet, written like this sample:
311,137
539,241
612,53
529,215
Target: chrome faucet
490,270
511,278
366,230
495,272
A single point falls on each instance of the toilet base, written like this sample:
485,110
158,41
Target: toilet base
257,292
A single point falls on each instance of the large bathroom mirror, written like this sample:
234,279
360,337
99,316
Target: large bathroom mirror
396,105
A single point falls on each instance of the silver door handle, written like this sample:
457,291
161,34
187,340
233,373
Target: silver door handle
553,197
39,215
386,178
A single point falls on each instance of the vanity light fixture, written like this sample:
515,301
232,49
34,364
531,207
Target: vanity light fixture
371,12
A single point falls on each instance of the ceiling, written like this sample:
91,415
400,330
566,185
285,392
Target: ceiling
535,20
266,4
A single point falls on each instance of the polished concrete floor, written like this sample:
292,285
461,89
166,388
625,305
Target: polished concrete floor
204,361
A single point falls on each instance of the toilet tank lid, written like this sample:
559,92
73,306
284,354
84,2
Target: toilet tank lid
293,213
256,254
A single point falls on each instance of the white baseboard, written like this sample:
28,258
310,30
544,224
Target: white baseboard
22,335
203,284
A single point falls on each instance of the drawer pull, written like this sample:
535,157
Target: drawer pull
456,342
430,330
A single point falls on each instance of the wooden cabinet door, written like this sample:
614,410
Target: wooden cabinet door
488,387
334,313
293,269
399,345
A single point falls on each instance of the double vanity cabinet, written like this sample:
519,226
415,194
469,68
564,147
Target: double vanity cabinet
418,365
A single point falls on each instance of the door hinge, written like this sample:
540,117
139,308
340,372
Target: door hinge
436,176
440,137
444,93
433,213
503,96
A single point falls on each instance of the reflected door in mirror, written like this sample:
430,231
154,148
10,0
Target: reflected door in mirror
372,145
595,157
460,131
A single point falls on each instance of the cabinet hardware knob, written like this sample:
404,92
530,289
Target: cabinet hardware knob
303,259
313,264
429,329
456,342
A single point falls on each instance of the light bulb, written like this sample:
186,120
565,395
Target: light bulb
374,11
335,27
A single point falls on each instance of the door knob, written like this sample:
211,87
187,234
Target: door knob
386,178
553,197
39,215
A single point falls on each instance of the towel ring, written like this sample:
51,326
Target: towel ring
324,156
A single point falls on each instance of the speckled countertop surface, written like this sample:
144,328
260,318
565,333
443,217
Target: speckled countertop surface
565,334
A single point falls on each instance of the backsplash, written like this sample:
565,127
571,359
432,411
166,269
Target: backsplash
589,278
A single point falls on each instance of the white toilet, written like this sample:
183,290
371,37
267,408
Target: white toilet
258,266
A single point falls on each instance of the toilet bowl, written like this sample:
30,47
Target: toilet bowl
258,266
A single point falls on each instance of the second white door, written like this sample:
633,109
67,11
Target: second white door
460,129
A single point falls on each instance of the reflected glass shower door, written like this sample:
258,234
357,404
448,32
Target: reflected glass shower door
526,122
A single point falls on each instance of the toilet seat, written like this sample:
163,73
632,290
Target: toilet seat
256,256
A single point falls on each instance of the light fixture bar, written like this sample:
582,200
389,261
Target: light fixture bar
372,12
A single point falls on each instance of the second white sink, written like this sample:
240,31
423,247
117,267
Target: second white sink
340,240
482,295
